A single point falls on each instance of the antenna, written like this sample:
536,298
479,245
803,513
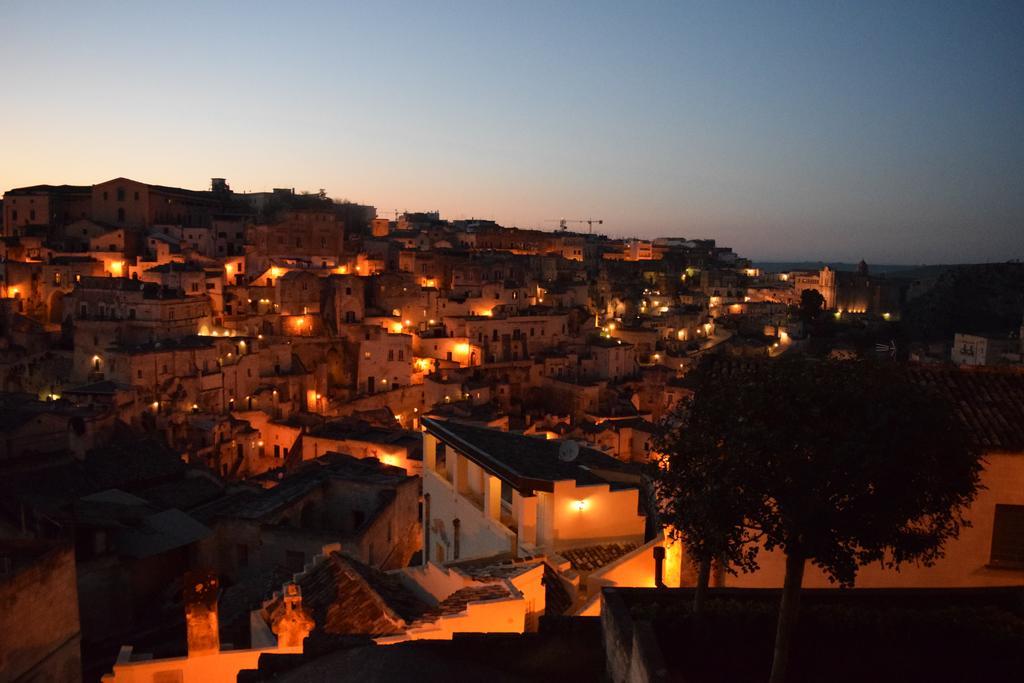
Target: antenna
563,223
568,451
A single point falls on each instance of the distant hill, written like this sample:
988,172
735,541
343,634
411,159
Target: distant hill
787,266
981,298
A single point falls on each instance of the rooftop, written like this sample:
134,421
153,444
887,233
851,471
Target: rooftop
592,557
528,463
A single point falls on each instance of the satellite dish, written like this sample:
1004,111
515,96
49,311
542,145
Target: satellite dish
568,451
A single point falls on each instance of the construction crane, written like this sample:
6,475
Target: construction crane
563,223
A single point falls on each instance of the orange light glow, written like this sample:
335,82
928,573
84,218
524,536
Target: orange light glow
275,272
396,328
673,566
117,268
462,348
579,505
228,268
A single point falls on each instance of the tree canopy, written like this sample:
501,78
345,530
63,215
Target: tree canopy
702,491
838,463
852,463
812,303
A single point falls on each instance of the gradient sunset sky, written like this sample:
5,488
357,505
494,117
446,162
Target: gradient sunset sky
890,131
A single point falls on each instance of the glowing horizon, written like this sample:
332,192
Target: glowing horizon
787,132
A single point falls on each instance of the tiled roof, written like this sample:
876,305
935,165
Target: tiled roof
50,189
557,600
496,568
347,597
593,557
989,402
457,601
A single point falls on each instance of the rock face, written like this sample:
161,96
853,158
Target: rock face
200,594
291,622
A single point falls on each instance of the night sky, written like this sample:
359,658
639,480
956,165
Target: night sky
890,131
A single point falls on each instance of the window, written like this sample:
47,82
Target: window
120,215
195,286
120,194
391,354
32,215
441,459
136,196
1008,537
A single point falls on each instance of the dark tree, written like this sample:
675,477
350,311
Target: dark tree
702,491
852,464
812,303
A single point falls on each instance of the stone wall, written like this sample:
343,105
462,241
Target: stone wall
39,631
631,649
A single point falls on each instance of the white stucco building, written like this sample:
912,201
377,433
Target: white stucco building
488,492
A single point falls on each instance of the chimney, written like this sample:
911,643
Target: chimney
291,622
659,562
200,597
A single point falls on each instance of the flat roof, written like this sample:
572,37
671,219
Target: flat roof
528,463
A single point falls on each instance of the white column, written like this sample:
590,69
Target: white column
492,496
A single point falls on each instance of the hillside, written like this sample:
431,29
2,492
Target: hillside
986,297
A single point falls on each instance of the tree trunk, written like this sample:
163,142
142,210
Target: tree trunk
701,590
789,611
